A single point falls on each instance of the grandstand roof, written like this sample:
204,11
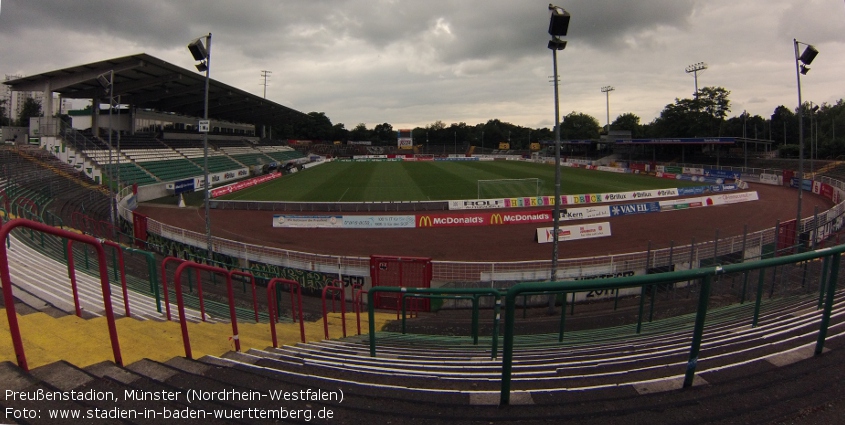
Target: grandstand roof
151,83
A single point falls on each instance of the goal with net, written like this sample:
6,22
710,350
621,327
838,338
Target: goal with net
509,188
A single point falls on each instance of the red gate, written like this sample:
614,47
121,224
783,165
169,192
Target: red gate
408,272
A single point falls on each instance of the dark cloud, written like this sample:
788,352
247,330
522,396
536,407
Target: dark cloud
408,61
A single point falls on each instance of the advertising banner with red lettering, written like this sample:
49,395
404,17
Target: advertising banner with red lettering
787,176
733,198
308,221
581,231
826,191
482,219
638,167
234,187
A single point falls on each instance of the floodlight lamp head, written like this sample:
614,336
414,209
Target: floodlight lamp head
104,82
198,49
808,55
557,44
804,69
559,21
202,67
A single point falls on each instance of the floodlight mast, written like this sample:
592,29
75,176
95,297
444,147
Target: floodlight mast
694,69
558,27
606,90
802,67
203,54
265,74
114,192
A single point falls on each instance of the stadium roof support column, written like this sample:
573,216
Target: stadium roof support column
48,99
95,116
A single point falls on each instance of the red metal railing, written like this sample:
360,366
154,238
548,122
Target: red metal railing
164,286
271,305
5,198
254,298
71,273
122,267
357,303
333,289
8,296
180,301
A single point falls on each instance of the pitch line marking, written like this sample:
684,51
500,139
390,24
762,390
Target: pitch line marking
344,194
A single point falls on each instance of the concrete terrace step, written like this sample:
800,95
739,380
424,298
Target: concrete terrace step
651,358
427,400
396,346
215,310
51,285
86,341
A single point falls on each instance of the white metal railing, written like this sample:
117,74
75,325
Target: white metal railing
497,273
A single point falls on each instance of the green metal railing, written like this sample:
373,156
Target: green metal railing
445,293
474,298
151,270
703,277
706,275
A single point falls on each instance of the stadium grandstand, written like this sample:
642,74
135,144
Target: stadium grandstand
744,328
150,138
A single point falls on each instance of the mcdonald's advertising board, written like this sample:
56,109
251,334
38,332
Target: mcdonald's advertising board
482,219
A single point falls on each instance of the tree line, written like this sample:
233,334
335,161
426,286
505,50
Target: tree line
30,109
704,115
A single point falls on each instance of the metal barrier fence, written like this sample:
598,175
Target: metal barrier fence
503,274
330,206
463,273
829,275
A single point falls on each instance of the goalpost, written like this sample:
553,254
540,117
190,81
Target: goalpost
509,188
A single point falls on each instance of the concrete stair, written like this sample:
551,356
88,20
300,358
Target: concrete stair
83,342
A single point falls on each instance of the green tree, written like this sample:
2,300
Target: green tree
4,116
490,134
628,122
578,125
784,126
714,102
360,133
339,132
385,134
829,125
30,109
745,125
699,117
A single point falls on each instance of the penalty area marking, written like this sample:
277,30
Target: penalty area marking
344,194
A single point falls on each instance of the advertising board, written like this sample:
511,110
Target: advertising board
567,233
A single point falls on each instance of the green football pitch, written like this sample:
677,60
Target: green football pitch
440,180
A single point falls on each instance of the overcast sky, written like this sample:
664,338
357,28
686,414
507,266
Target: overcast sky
413,62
